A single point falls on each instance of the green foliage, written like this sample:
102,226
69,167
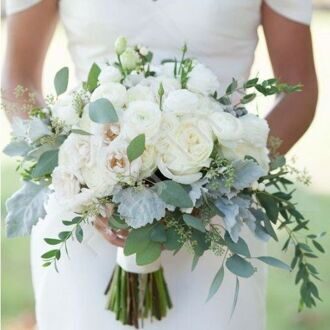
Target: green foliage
194,222
92,80
274,262
61,81
136,147
46,164
240,266
216,283
102,111
239,248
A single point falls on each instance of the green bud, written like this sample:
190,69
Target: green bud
120,45
130,59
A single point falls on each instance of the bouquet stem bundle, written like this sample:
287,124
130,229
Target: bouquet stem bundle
134,297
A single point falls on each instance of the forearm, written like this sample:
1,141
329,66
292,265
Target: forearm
292,116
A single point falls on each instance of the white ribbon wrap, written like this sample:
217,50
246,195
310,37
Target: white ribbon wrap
128,263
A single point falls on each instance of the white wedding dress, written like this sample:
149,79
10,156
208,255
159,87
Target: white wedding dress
223,35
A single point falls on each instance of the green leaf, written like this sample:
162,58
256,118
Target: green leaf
137,240
248,98
16,148
194,222
240,247
173,193
149,254
194,262
136,147
274,262
93,76
80,132
251,83
235,298
318,246
269,204
278,162
200,243
79,233
232,87
173,241
64,235
216,283
158,233
46,164
52,241
239,266
225,100
50,254
61,81
116,222
102,111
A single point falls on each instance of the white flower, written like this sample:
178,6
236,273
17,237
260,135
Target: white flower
116,163
114,92
143,50
75,153
169,85
227,128
110,74
140,93
107,132
181,101
120,45
185,150
141,117
130,59
255,130
202,80
167,69
149,161
133,79
65,183
64,110
260,154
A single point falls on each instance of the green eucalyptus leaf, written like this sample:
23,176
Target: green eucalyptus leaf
158,233
102,111
269,204
79,233
173,242
149,254
173,193
61,81
52,241
194,222
136,147
200,243
240,247
216,283
80,132
239,266
235,298
271,261
50,254
46,164
93,75
137,240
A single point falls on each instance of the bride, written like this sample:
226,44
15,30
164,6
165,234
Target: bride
223,35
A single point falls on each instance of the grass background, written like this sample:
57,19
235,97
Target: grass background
312,151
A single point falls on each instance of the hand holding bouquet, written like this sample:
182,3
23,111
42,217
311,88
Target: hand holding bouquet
158,152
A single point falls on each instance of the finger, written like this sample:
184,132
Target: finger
110,236
122,233
100,223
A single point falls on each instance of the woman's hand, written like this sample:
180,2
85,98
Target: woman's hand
116,238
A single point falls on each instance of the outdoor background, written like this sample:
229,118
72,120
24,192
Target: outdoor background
312,152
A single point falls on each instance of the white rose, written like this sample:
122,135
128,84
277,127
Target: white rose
141,117
149,161
255,130
107,132
181,101
185,150
169,85
167,69
227,128
130,59
261,154
208,105
116,164
109,74
140,93
64,110
133,79
202,80
65,183
114,92
75,153
85,121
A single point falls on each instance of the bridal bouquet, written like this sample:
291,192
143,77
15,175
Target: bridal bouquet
160,153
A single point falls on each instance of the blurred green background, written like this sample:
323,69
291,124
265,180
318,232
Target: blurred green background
312,152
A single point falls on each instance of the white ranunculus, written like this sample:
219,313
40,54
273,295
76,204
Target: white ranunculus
181,101
75,153
185,150
141,117
140,93
64,110
260,154
149,161
130,59
255,130
109,74
114,92
202,80
227,128
116,164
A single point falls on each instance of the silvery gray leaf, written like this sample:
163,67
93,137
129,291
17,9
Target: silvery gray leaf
17,148
20,128
25,208
246,172
37,129
139,206
196,189
260,230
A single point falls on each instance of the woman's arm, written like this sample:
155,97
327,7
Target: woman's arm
290,49
28,37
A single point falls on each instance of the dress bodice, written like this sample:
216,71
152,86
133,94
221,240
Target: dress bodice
220,33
